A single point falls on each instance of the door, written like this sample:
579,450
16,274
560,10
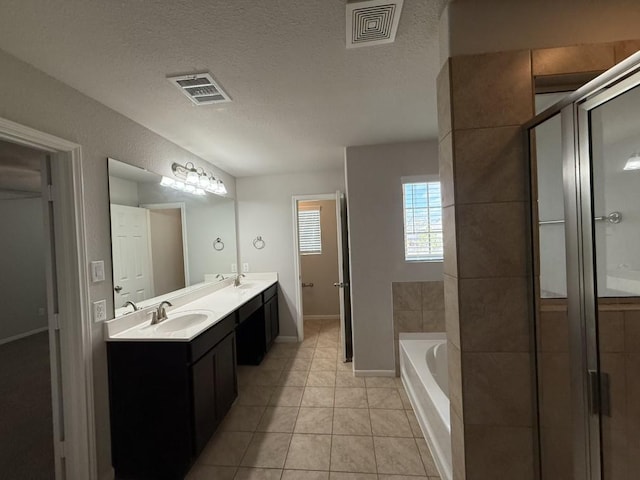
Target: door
344,278
132,276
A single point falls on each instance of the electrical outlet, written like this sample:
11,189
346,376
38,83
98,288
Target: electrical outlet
97,271
100,311
234,268
245,267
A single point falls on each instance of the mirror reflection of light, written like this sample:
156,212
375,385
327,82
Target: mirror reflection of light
633,163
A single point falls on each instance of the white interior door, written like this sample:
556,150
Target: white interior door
344,278
132,275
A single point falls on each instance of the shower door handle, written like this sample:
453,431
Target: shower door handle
600,393
341,285
117,288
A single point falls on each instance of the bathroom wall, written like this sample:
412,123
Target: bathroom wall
322,269
417,307
376,236
23,290
265,208
30,97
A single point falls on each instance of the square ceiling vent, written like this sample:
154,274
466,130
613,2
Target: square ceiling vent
372,22
201,88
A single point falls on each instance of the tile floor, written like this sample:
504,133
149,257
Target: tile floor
302,415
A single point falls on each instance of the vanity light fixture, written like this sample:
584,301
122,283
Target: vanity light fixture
194,180
633,162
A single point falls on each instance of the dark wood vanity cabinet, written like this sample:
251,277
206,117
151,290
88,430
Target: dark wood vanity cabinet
271,318
259,327
167,398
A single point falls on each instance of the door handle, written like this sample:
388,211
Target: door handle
341,285
117,288
304,285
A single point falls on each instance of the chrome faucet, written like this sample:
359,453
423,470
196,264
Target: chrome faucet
160,314
236,281
129,302
220,276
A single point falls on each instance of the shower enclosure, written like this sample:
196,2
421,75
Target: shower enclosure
585,187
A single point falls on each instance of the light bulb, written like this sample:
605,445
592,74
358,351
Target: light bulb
189,188
178,185
199,191
633,163
192,177
220,188
204,181
167,182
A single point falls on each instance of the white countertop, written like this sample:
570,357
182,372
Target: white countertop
215,303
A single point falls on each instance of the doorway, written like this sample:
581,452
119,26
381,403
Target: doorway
585,163
322,269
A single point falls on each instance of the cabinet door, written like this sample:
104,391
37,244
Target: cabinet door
225,371
203,377
268,324
275,319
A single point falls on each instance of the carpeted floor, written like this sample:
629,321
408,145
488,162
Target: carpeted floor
26,432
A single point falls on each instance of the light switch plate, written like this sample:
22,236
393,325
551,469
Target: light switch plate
245,267
97,271
100,311
234,268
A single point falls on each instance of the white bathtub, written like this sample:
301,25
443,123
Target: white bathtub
423,368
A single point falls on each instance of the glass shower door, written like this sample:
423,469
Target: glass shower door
610,128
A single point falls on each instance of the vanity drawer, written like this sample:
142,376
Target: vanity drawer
211,337
249,308
269,293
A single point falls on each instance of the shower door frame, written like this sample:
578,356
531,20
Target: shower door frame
582,297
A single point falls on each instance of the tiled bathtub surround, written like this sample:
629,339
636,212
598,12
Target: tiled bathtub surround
482,102
417,307
302,415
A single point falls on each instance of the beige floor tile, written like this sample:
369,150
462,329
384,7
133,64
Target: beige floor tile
398,456
403,477
304,475
254,396
305,353
328,364
384,398
347,379
298,363
327,343
293,378
349,397
351,421
310,341
242,419
318,397
330,353
283,350
267,450
278,419
399,383
267,378
321,378
345,366
286,397
225,449
258,474
390,423
208,472
406,403
380,382
274,363
352,454
427,458
413,423
309,452
314,420
352,476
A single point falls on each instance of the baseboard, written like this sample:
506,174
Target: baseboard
23,335
286,339
321,317
374,373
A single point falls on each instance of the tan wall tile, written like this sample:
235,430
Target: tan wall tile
492,240
433,321
407,296
497,389
489,165
554,380
563,60
455,378
625,49
614,365
445,158
444,100
494,315
632,331
553,331
498,452
432,296
457,446
408,321
615,460
556,450
611,331
491,90
450,263
451,313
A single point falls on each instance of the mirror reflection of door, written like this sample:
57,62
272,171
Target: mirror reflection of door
165,226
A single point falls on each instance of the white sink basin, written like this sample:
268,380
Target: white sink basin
181,321
245,286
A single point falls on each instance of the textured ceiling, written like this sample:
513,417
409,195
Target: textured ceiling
299,96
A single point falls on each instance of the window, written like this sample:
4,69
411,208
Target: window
422,206
309,234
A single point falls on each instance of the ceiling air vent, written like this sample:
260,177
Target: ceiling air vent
200,88
372,22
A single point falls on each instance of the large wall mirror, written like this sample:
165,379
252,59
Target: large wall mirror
164,240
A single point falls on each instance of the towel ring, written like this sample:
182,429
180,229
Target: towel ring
218,245
258,243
